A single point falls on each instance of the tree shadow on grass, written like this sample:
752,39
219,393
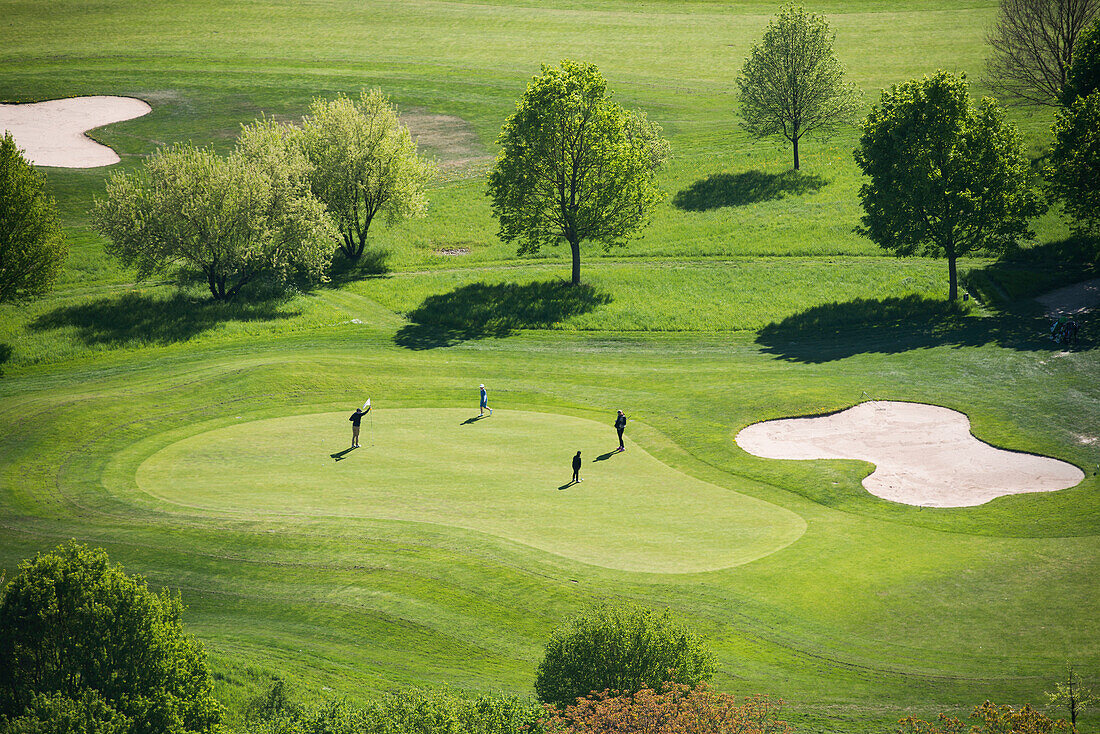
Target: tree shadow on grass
738,189
5,356
137,318
372,263
482,310
892,325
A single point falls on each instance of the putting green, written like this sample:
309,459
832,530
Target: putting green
503,475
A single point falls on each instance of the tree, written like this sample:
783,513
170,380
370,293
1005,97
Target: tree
1083,77
82,638
792,84
364,162
574,165
620,649
1073,166
32,248
1033,46
1073,696
946,177
237,219
676,709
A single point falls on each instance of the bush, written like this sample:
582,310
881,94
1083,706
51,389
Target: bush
677,708
83,639
992,719
622,650
413,711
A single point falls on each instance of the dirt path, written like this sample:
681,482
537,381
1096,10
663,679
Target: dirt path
1073,299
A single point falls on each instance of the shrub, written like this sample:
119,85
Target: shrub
622,650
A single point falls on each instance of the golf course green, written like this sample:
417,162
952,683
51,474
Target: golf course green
506,477
204,445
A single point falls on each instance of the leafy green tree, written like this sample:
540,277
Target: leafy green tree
238,219
1083,77
574,165
1072,696
946,177
792,84
1073,166
82,636
32,248
621,650
364,163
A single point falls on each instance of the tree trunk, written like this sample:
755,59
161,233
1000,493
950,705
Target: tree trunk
575,248
795,142
953,278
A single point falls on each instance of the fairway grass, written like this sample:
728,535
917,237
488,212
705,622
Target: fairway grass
506,476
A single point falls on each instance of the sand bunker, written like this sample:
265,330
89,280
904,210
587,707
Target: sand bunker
1073,299
52,133
924,454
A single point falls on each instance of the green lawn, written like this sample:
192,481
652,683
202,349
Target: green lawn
194,441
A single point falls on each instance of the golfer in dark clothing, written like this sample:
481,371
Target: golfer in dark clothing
577,467
620,426
355,418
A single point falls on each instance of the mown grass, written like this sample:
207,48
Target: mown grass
748,298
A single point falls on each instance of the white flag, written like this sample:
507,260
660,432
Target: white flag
366,406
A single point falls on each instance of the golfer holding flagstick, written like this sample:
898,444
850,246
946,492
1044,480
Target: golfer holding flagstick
356,417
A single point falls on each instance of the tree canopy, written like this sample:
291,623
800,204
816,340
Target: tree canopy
83,640
1073,166
1083,77
621,650
237,219
363,162
32,247
1033,46
792,83
574,166
946,177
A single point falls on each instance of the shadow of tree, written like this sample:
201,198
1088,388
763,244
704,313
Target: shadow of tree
737,189
481,310
372,263
5,356
892,325
143,319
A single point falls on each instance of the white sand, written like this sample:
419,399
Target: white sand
1073,299
52,133
923,454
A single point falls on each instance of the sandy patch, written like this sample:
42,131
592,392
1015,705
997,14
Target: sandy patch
451,139
1072,299
924,455
52,133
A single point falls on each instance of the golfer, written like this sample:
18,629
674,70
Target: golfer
577,467
620,426
355,418
484,402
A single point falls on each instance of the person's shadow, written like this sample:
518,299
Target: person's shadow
341,455
605,457
567,485
468,421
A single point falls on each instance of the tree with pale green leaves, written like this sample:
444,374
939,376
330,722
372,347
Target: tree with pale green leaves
792,84
364,162
239,219
574,166
32,247
945,177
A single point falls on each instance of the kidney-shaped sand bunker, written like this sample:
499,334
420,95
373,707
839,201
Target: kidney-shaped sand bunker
923,454
502,475
52,132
